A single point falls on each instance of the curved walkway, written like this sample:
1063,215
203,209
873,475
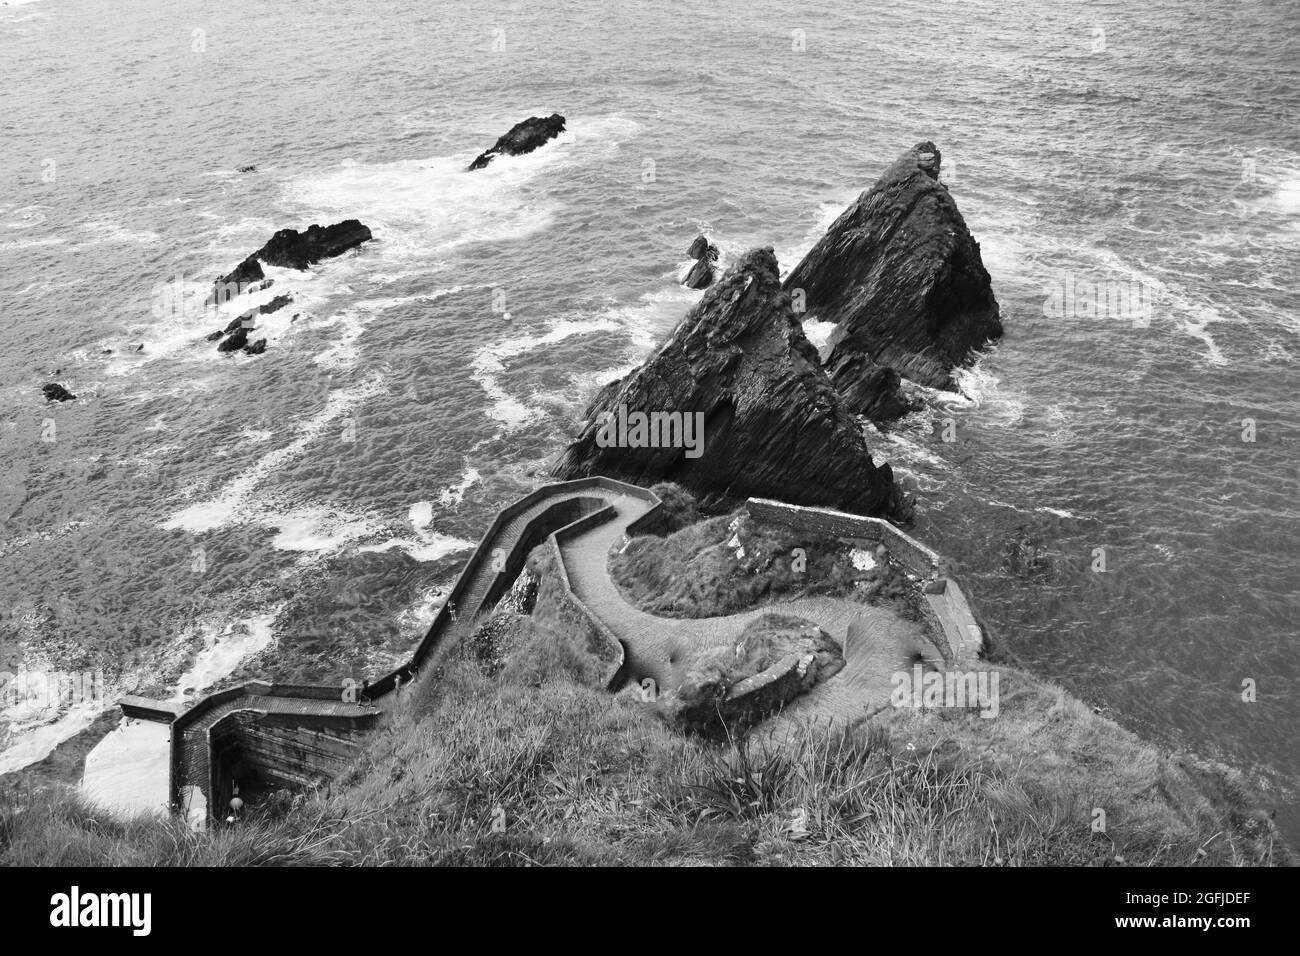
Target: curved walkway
655,646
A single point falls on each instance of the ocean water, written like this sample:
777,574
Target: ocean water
194,515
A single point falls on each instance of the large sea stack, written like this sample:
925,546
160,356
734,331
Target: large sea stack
773,426
523,137
902,277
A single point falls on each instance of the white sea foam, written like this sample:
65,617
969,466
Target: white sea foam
1286,195
424,208
231,503
489,364
224,649
425,546
453,495
1189,312
34,740
818,333
343,352
977,387
21,217
420,209
1042,509
314,528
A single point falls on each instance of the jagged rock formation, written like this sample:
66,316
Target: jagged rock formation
870,389
705,254
522,138
292,249
902,276
54,392
739,373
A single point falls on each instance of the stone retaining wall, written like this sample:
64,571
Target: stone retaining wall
951,621
911,553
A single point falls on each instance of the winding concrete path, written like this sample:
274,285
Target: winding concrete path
877,642
885,643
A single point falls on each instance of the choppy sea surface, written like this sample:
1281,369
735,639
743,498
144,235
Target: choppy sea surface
195,515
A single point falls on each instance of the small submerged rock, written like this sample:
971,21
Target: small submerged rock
239,327
235,341
54,392
522,138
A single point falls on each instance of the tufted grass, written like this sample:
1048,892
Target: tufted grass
519,761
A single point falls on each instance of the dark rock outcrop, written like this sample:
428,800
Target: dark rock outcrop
902,276
705,254
257,348
54,392
870,389
292,249
237,281
275,305
522,138
700,246
700,275
772,424
235,341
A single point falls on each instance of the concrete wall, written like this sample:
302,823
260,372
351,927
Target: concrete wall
951,622
599,637
909,552
266,752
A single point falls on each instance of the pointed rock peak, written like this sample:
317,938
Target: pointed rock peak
738,378
902,278
927,158
922,158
